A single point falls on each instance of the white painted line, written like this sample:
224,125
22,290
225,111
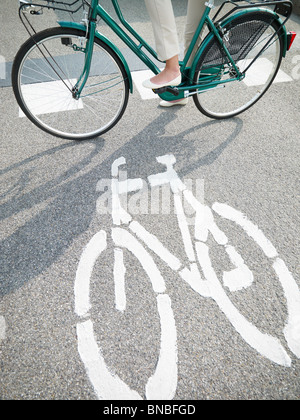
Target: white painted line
292,294
108,386
282,77
291,290
138,78
2,68
155,245
84,272
257,74
193,277
205,222
49,97
54,97
184,228
265,344
250,228
124,239
162,385
240,277
2,328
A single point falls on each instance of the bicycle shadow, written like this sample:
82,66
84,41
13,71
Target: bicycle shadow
154,141
69,199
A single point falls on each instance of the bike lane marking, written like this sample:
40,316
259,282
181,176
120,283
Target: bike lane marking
257,78
107,384
252,78
290,288
60,99
138,77
2,328
266,345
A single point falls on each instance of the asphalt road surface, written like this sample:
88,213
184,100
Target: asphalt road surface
73,326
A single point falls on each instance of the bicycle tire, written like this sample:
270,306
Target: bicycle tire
45,70
246,35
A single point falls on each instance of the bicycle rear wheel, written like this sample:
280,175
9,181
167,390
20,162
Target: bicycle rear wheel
245,36
47,68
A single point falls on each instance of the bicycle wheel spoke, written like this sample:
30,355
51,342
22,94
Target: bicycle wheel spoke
248,42
45,74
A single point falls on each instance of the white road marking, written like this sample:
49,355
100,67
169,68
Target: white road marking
257,74
290,288
124,239
53,97
292,294
162,385
184,228
49,97
85,268
155,245
250,228
108,386
239,278
265,344
2,328
255,77
138,77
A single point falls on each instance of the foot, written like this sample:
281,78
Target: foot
165,78
168,104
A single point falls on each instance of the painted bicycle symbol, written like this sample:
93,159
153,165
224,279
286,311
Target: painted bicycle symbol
128,235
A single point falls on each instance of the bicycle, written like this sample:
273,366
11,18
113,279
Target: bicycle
73,82
129,237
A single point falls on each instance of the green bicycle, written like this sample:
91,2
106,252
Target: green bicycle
73,82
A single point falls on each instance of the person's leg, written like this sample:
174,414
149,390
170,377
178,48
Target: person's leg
194,14
166,39
170,75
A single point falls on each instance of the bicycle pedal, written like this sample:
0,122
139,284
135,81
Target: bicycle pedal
165,89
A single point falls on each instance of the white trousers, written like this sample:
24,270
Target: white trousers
164,26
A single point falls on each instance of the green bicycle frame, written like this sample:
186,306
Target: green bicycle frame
188,72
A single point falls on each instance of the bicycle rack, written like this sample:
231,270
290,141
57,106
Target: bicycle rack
54,5
37,6
282,7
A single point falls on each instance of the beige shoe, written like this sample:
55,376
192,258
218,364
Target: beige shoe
168,104
175,82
